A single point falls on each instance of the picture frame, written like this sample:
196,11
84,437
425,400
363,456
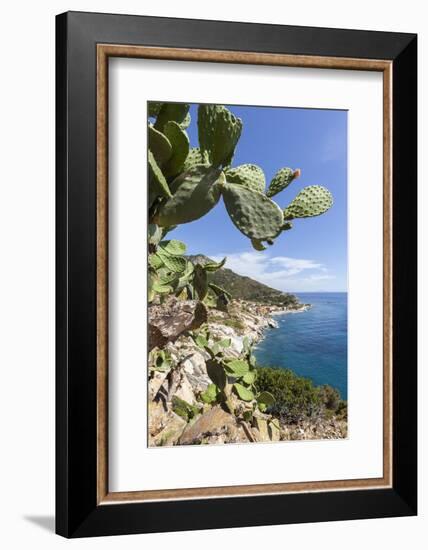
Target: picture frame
84,44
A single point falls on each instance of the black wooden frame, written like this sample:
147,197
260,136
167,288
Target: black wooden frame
77,512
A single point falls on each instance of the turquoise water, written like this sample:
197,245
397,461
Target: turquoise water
312,343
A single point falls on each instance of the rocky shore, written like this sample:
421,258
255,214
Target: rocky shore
178,376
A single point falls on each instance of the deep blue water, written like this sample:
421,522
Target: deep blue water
312,343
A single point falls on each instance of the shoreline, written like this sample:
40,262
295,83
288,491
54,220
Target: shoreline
301,309
178,415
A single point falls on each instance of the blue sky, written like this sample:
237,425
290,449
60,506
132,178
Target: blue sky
313,255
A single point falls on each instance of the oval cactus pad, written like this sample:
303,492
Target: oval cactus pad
313,200
254,214
195,192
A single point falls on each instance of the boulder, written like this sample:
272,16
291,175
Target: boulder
155,382
177,384
165,427
168,321
195,369
214,426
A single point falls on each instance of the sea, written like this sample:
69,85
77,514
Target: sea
312,343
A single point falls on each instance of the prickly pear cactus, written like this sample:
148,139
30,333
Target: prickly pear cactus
180,148
186,122
281,180
195,192
248,175
157,180
313,200
257,244
193,158
219,131
153,108
176,112
186,183
254,214
159,145
177,264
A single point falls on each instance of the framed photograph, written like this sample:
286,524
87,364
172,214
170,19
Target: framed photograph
236,274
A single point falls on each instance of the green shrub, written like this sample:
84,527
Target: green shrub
297,397
329,396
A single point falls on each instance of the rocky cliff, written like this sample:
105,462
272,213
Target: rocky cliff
178,377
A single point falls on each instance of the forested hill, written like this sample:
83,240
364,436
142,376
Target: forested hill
245,288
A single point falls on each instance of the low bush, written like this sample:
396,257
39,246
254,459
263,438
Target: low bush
296,397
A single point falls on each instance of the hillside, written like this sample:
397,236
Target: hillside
245,288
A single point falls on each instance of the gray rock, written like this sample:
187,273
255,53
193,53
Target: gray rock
214,426
196,371
168,321
165,427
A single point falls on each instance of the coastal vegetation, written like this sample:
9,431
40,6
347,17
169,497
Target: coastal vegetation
296,397
204,384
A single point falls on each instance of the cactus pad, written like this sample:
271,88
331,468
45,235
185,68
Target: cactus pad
157,181
173,263
311,201
281,180
186,122
254,214
193,158
176,112
153,108
248,175
219,131
195,193
173,247
180,148
257,245
159,145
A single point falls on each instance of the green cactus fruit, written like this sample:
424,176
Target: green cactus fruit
196,192
159,145
311,201
257,245
254,214
248,175
173,263
180,149
219,131
171,111
153,108
186,122
281,180
173,247
157,182
193,158
287,226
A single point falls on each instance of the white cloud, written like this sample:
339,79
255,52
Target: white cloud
281,272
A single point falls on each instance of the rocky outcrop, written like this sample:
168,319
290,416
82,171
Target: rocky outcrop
169,320
185,378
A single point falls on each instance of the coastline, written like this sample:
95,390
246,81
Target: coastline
176,414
